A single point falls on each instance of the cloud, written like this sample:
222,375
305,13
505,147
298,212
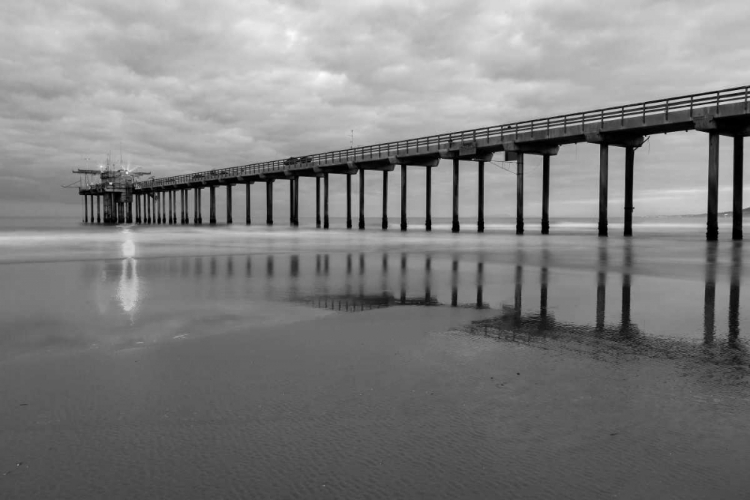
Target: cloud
186,86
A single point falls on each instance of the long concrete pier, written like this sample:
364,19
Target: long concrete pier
717,113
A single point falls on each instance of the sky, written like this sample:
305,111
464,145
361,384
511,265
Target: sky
174,87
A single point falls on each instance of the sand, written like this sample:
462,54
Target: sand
390,403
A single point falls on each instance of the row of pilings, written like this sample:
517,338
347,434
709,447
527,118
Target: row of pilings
160,206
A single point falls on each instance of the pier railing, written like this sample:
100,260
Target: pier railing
433,143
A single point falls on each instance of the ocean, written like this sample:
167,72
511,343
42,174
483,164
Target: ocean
277,362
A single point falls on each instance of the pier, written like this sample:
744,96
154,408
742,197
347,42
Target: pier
717,113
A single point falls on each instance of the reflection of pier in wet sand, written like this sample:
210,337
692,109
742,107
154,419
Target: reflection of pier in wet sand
362,281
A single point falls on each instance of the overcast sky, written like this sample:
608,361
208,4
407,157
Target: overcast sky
186,86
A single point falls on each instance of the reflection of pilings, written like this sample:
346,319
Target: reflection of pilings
480,284
294,265
454,283
230,266
601,287
427,276
403,278
212,266
361,273
709,296
625,322
518,295
269,266
734,295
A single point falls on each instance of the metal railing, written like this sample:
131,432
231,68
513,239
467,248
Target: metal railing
433,143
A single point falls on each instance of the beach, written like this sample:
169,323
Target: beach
248,362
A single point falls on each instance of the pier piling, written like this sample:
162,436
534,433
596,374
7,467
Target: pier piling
737,187
603,187
712,224
455,227
384,223
519,193
403,197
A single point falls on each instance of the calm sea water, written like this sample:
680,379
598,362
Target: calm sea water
526,304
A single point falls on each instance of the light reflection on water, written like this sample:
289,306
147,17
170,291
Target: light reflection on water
207,281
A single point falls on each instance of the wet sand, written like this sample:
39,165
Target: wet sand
391,403
254,362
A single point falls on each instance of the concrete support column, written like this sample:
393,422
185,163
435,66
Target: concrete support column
155,202
85,208
200,206
325,201
428,199
137,209
480,198
603,187
296,201
269,202
171,205
99,209
403,197
182,206
384,223
291,202
519,193
195,206
92,209
712,232
361,198
629,164
348,201
247,204
164,208
317,202
128,215
545,194
212,205
174,207
737,188
456,227
229,203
